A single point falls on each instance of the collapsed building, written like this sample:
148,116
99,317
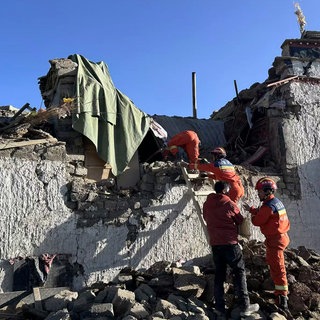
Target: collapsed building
82,181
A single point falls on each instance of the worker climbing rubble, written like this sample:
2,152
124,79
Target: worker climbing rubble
223,170
188,140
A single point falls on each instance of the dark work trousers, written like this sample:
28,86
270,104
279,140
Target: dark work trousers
224,255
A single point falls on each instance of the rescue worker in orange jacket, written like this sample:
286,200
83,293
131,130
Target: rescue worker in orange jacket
188,140
273,221
223,170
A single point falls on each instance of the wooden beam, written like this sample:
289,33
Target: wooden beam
37,298
280,82
17,144
203,192
194,197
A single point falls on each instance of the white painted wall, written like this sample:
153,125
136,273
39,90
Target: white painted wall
33,217
35,220
302,139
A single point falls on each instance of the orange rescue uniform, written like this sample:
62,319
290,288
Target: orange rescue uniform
189,141
223,170
273,221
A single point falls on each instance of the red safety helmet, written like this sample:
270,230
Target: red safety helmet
219,151
266,184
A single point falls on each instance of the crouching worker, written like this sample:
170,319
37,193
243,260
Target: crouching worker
273,221
187,140
222,217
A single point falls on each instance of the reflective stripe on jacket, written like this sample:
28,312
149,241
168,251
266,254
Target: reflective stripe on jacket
271,217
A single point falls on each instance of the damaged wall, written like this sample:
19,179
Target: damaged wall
34,217
48,206
292,109
302,140
284,120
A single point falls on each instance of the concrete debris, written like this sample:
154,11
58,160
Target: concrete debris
263,126
184,290
32,124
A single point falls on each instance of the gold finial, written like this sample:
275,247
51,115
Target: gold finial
300,16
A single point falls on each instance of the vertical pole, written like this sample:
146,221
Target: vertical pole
194,95
236,88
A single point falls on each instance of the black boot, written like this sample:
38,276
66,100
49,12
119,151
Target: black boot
283,302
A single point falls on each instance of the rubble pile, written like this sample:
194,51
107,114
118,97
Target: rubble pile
184,290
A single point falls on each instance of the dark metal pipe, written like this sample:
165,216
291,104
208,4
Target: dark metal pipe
236,88
194,95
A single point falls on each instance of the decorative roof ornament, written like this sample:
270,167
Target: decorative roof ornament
300,16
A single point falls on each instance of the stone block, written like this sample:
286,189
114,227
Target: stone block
81,171
163,179
147,186
75,157
106,295
188,283
144,293
148,178
169,309
55,153
138,311
60,300
123,301
59,315
102,309
25,153
80,305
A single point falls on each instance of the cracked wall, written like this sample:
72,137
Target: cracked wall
105,232
302,140
47,206
115,229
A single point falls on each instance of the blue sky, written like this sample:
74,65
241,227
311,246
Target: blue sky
150,46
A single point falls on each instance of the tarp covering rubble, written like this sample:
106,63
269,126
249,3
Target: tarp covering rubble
106,116
109,118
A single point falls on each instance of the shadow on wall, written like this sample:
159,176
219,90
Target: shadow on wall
304,212
100,251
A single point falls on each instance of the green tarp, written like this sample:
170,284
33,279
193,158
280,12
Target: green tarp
106,116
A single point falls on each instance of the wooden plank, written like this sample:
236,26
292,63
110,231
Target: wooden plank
37,298
203,192
193,175
17,144
195,202
7,315
26,106
256,156
13,297
284,81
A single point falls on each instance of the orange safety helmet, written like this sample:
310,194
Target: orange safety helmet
219,151
266,184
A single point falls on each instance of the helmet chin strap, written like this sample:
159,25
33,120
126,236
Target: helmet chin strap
226,190
267,193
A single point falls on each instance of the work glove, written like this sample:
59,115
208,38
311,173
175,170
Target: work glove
203,175
203,161
184,164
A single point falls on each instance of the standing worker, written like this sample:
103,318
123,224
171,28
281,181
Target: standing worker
223,170
223,216
188,140
273,221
